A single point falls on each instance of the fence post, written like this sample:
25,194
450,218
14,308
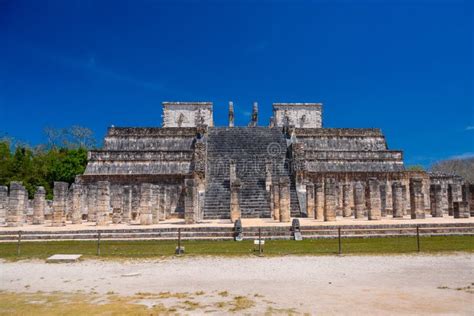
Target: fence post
418,238
18,246
98,243
179,241
339,237
259,241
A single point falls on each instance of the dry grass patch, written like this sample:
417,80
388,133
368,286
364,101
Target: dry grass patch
240,303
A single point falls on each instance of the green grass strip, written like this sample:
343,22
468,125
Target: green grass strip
158,248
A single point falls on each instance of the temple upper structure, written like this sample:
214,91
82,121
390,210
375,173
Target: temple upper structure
187,114
301,115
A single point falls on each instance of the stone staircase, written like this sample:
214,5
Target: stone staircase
249,147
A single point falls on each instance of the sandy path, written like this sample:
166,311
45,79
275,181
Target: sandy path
328,284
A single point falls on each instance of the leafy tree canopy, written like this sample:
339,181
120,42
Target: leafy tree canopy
61,159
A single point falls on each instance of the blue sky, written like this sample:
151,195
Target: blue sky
403,66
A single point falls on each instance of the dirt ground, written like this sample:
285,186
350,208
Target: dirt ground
407,284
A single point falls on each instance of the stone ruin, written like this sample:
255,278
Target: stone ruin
192,170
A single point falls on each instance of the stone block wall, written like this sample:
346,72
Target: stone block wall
187,114
301,115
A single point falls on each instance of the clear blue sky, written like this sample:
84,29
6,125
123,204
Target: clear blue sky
403,66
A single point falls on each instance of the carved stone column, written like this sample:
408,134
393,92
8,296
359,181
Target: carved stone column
155,203
116,201
284,199
346,200
231,114
39,205
437,200
16,204
3,204
276,201
103,203
461,210
268,175
76,207
127,204
383,199
162,206
92,203
319,205
235,213
417,199
59,203
145,204
397,200
330,199
359,200
190,201
373,200
310,200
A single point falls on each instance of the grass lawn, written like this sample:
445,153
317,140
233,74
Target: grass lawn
149,249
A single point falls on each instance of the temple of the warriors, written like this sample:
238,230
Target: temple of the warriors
289,167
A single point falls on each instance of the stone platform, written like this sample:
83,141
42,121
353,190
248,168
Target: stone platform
223,229
60,258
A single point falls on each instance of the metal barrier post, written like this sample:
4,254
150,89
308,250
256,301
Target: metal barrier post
259,241
98,243
18,246
339,237
418,238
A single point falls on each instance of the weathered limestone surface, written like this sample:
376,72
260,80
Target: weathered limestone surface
39,205
3,204
330,199
397,200
16,204
146,217
319,196
310,199
359,200
437,200
417,199
346,203
60,194
284,200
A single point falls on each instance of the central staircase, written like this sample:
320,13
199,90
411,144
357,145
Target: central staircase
249,148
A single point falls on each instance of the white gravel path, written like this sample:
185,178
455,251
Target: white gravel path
405,284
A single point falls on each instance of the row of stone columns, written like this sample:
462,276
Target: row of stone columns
101,202
280,200
368,200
